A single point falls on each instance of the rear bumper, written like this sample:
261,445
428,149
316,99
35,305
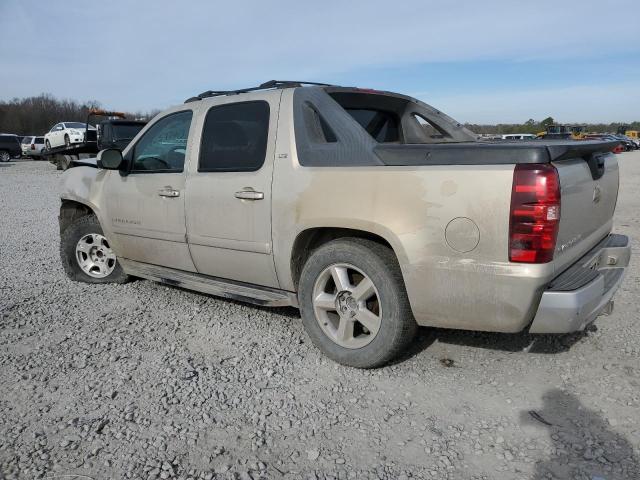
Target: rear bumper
576,297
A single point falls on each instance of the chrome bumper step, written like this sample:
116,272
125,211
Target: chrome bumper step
576,297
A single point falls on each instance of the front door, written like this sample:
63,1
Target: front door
56,138
229,191
145,209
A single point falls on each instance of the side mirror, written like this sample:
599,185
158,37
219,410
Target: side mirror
109,159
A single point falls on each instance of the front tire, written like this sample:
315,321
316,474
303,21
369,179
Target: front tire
87,255
353,303
4,156
67,142
47,145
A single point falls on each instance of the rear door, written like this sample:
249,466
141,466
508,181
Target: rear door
145,208
229,190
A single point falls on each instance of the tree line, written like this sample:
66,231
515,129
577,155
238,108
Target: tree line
36,115
534,126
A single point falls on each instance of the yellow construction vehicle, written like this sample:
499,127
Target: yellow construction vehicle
577,132
624,130
563,132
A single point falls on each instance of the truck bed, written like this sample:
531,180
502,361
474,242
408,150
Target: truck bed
481,153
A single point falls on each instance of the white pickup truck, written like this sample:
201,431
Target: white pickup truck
370,211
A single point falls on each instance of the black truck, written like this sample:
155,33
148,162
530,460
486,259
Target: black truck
114,132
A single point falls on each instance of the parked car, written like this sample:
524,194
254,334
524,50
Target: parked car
338,201
32,147
627,142
115,131
619,147
25,145
9,147
66,134
519,136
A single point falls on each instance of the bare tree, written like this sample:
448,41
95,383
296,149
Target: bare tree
36,115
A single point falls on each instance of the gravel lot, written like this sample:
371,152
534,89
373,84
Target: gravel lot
145,381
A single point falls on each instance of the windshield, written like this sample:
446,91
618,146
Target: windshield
124,131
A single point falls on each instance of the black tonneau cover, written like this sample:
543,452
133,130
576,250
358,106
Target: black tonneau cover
481,153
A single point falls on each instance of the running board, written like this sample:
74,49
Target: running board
244,292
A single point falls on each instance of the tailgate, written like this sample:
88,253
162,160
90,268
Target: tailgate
589,191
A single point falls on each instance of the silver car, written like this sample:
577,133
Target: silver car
32,147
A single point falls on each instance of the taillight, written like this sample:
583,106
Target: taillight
535,213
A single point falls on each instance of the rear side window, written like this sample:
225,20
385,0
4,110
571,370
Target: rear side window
234,137
383,126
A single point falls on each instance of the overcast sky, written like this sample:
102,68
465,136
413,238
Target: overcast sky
491,61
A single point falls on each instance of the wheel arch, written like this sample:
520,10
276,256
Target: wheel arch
311,238
71,210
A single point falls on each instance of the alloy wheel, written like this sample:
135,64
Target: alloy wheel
94,255
347,305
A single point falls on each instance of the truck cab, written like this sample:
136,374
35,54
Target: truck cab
117,133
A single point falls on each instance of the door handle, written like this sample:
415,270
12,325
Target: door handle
249,195
168,192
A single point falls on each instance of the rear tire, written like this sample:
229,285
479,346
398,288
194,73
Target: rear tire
387,326
86,254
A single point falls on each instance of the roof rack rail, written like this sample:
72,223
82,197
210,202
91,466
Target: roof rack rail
262,86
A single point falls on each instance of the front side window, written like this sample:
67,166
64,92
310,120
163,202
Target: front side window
163,147
234,137
75,125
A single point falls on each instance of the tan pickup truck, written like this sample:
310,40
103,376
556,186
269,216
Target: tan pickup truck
370,211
